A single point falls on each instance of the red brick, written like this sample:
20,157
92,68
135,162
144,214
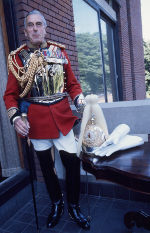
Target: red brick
74,43
47,17
60,28
61,40
54,9
59,17
69,52
60,2
66,20
68,42
58,6
64,9
68,17
63,35
57,33
71,48
33,4
72,24
43,9
69,27
62,24
22,37
54,38
63,14
51,13
18,7
47,5
21,14
27,8
20,22
20,30
66,31
70,37
76,72
17,2
49,30
73,59
53,25
56,21
38,1
20,1
51,2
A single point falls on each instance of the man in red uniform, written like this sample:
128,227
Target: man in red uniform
40,76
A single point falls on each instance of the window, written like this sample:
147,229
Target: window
96,55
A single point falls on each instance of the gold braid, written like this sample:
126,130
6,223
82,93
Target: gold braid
28,71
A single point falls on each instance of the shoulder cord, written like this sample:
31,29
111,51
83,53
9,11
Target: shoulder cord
32,64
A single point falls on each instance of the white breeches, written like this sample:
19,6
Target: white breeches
66,143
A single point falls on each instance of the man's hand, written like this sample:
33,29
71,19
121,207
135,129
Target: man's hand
80,103
21,127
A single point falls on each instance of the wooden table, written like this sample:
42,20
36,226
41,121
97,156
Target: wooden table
129,168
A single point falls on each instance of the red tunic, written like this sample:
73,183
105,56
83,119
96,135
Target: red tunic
46,121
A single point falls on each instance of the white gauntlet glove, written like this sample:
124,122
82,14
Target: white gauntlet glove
124,143
119,132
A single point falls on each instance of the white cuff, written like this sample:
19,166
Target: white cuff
15,119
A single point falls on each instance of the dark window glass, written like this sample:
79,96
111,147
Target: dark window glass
109,62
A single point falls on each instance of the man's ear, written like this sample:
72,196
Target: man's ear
24,30
45,30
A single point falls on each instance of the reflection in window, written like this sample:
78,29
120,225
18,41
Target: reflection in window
88,46
109,61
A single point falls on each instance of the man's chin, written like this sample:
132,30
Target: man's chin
36,42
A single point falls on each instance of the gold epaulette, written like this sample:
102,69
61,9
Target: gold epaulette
17,50
54,43
13,53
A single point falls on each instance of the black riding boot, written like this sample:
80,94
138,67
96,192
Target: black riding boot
57,211
47,163
75,213
72,165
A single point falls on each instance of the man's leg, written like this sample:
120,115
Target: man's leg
52,183
72,165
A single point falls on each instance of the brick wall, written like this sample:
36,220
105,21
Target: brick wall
136,49
131,49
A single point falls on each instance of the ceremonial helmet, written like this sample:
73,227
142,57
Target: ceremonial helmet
94,130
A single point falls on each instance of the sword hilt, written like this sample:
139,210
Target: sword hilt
24,118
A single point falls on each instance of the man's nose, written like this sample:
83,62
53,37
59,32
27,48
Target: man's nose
34,27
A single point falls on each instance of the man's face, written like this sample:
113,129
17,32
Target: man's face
35,30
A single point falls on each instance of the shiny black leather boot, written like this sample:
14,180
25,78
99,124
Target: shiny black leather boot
75,213
47,163
72,166
57,211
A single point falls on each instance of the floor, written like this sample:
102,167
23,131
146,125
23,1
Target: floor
106,216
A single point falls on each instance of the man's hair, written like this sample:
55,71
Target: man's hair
32,13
